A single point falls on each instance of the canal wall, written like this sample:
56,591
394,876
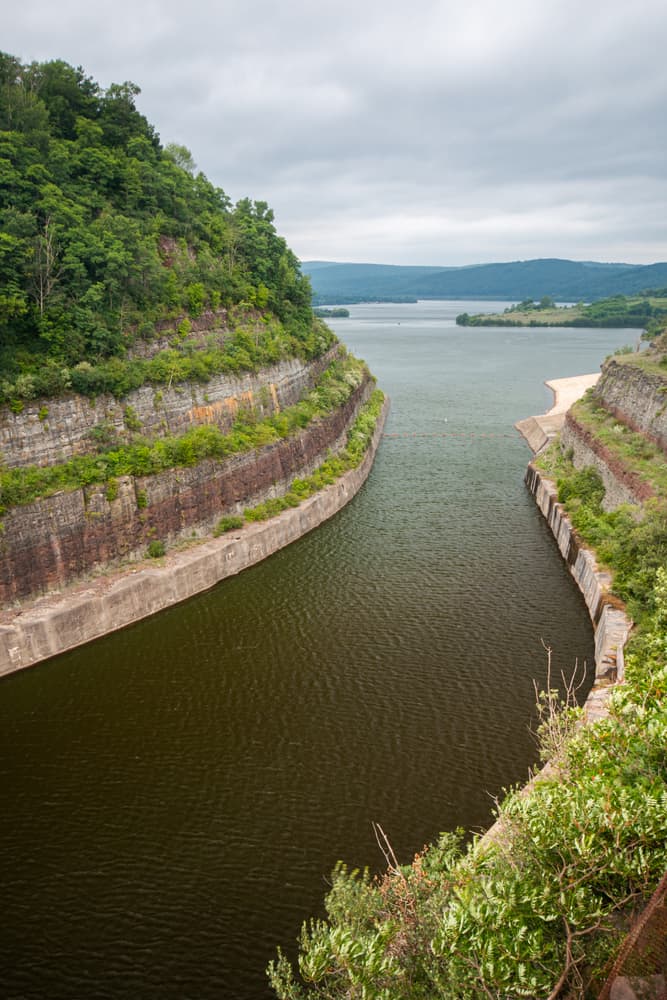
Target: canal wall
54,624
54,541
610,622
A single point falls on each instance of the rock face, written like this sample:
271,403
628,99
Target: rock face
53,624
49,543
620,485
636,397
51,431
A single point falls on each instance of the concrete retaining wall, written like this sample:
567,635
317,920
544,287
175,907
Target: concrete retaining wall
53,625
610,622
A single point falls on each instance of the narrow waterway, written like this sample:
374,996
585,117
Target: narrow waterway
174,796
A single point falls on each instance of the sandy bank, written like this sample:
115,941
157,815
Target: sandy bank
539,430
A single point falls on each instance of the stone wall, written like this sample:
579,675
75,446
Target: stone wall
636,397
49,431
54,624
49,543
610,621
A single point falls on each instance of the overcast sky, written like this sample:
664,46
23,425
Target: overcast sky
422,132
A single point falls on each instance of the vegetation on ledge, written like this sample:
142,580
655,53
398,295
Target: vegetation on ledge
359,438
634,451
629,542
144,457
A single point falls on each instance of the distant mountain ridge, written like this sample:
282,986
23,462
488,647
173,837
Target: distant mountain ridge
563,280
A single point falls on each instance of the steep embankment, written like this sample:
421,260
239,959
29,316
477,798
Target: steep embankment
50,625
163,375
243,442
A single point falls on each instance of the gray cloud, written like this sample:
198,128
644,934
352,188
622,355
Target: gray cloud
424,133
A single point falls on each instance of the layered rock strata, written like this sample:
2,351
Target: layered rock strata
51,542
636,397
47,432
51,625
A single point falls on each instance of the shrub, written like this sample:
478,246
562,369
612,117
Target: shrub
112,489
156,549
230,522
131,419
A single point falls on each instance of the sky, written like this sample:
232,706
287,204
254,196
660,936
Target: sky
411,132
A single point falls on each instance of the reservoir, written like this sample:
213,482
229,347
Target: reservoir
174,796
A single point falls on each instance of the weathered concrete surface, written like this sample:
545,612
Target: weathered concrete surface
52,625
52,542
611,624
540,429
50,431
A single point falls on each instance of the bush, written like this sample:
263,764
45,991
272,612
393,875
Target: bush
229,523
156,549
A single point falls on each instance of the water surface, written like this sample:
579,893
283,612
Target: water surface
174,796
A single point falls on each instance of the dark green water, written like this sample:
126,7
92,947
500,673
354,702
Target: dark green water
174,796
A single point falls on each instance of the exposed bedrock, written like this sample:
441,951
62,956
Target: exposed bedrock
621,485
636,397
49,431
53,624
50,542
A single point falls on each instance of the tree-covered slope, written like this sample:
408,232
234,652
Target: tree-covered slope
107,237
565,280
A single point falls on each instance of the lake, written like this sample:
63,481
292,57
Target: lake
175,795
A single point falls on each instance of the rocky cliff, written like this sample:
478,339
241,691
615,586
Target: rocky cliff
59,539
637,395
49,431
621,428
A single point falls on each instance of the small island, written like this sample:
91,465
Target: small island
338,312
646,310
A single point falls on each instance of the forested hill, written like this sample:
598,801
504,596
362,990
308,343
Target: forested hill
106,237
563,280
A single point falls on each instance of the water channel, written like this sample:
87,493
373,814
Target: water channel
174,796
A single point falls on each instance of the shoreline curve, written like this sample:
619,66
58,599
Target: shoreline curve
57,623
